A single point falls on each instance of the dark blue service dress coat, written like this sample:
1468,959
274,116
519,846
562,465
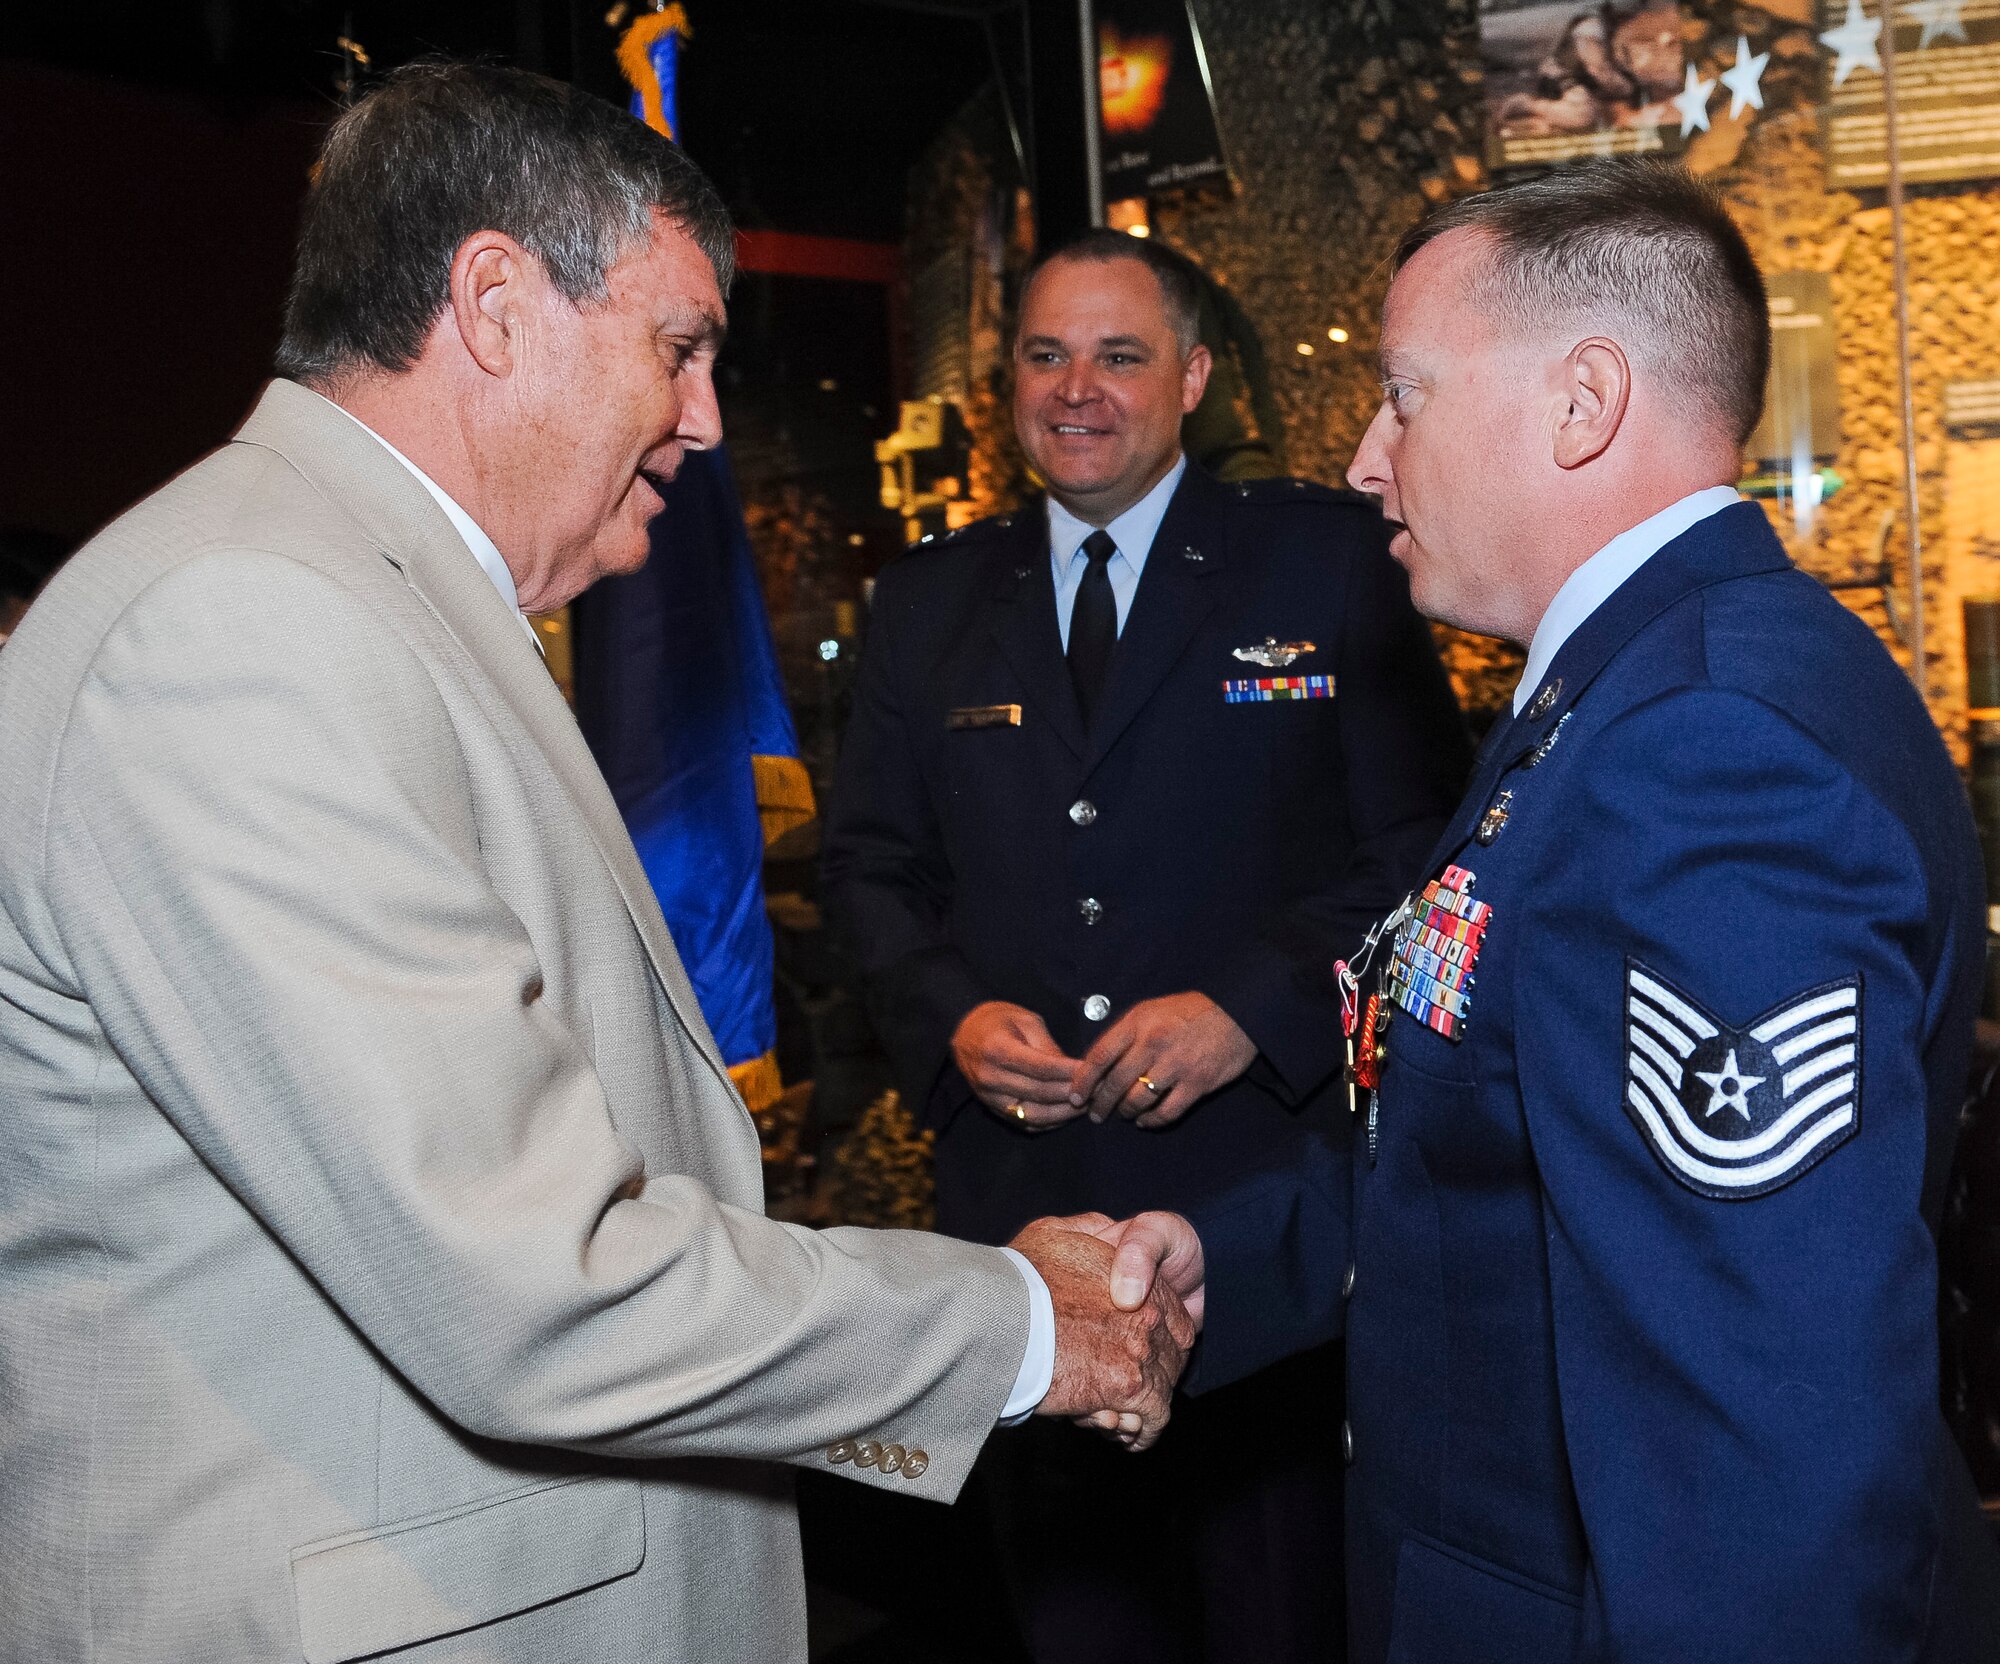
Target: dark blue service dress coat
1181,842
1641,1324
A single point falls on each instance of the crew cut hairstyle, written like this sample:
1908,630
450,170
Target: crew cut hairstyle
1635,248
1178,276
441,150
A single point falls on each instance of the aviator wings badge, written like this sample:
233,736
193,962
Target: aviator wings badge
1740,1112
1274,654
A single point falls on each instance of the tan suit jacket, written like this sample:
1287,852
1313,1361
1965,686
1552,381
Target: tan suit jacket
382,1262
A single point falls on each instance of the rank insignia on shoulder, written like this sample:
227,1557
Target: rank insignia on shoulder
1273,654
1430,971
1739,1112
1268,688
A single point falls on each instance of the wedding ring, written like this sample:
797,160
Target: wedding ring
1147,1082
1019,1111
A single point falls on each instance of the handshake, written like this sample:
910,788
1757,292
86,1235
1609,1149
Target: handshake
1128,1304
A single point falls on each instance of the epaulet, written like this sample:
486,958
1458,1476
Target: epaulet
1282,491
966,535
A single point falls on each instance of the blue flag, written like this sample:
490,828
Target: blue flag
678,695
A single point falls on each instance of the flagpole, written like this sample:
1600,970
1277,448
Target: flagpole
1919,669
1093,112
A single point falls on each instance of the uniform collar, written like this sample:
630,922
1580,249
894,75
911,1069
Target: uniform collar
1737,542
1594,582
1192,541
1134,531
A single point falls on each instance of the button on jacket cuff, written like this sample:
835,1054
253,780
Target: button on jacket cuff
1038,1364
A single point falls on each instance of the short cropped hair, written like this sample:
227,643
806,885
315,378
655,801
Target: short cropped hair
1178,277
439,151
1639,248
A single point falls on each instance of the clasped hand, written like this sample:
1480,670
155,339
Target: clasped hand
1128,1301
1155,1063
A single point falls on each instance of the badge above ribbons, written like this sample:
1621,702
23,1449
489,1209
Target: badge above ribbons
1734,1113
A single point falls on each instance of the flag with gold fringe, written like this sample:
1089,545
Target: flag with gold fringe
649,57
678,693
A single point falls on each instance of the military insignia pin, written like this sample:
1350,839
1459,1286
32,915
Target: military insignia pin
1736,1112
1430,972
1273,654
1494,821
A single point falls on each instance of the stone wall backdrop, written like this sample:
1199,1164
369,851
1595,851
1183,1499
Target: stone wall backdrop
1344,120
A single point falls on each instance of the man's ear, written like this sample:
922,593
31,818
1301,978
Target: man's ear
1597,385
1194,377
491,276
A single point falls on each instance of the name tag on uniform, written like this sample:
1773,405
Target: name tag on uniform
1265,689
984,716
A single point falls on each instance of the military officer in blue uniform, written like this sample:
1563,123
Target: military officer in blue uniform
1669,1042
1127,772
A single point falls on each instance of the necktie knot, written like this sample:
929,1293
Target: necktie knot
1099,547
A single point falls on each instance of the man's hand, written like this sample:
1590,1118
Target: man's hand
1115,1368
1007,1056
1160,1059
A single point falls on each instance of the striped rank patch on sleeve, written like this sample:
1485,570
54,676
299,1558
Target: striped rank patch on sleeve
1740,1112
1265,688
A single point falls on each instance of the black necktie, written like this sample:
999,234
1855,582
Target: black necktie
1093,624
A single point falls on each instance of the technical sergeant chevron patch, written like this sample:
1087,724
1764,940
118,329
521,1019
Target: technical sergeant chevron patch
1735,1113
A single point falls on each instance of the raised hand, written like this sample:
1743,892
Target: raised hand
1160,1059
1014,1066
1115,1367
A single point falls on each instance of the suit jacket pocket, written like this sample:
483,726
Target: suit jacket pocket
373,1591
1452,1608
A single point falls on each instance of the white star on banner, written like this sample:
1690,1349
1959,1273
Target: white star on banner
1729,1087
1742,81
1693,101
1939,18
1855,41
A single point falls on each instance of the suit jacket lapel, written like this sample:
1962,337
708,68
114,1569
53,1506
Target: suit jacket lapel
398,516
1025,625
1176,591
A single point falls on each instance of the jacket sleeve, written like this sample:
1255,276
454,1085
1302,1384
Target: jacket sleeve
264,860
887,878
1275,1251
1748,1379
1405,753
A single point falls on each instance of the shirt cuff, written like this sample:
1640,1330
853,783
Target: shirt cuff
1038,1363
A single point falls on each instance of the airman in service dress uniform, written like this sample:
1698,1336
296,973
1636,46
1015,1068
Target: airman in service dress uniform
1667,1047
1183,839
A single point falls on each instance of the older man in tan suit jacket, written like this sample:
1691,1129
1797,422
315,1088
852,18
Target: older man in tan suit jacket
382,1262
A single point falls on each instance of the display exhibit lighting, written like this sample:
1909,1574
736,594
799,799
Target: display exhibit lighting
1337,335
1305,349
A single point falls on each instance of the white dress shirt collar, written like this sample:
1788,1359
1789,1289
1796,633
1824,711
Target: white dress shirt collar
1133,532
1597,579
481,547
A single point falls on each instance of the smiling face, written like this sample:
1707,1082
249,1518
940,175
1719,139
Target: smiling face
612,396
1459,450
1101,383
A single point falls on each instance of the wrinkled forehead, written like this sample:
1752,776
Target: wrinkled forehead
666,276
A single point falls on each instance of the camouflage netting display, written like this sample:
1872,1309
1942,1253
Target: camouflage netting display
1344,122
880,1176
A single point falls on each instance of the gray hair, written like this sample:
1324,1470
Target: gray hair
1640,248
1179,278
439,151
